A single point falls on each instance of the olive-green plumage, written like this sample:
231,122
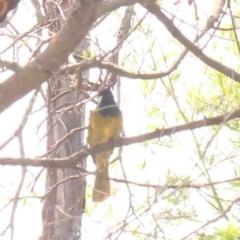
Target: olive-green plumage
105,123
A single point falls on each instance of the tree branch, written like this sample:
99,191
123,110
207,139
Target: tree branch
71,162
83,66
78,23
155,10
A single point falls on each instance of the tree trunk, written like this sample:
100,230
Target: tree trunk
63,206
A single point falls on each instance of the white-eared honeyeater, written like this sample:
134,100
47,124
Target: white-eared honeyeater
105,123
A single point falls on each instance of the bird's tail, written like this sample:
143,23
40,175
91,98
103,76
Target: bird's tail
101,189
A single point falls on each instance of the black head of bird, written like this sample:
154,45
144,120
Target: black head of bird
107,105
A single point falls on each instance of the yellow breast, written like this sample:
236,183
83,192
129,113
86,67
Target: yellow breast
102,129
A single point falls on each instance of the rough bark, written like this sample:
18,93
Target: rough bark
63,207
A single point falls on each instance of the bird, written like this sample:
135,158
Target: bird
105,124
5,7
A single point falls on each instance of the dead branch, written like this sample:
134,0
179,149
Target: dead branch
71,162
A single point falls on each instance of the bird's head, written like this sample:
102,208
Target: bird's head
107,104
